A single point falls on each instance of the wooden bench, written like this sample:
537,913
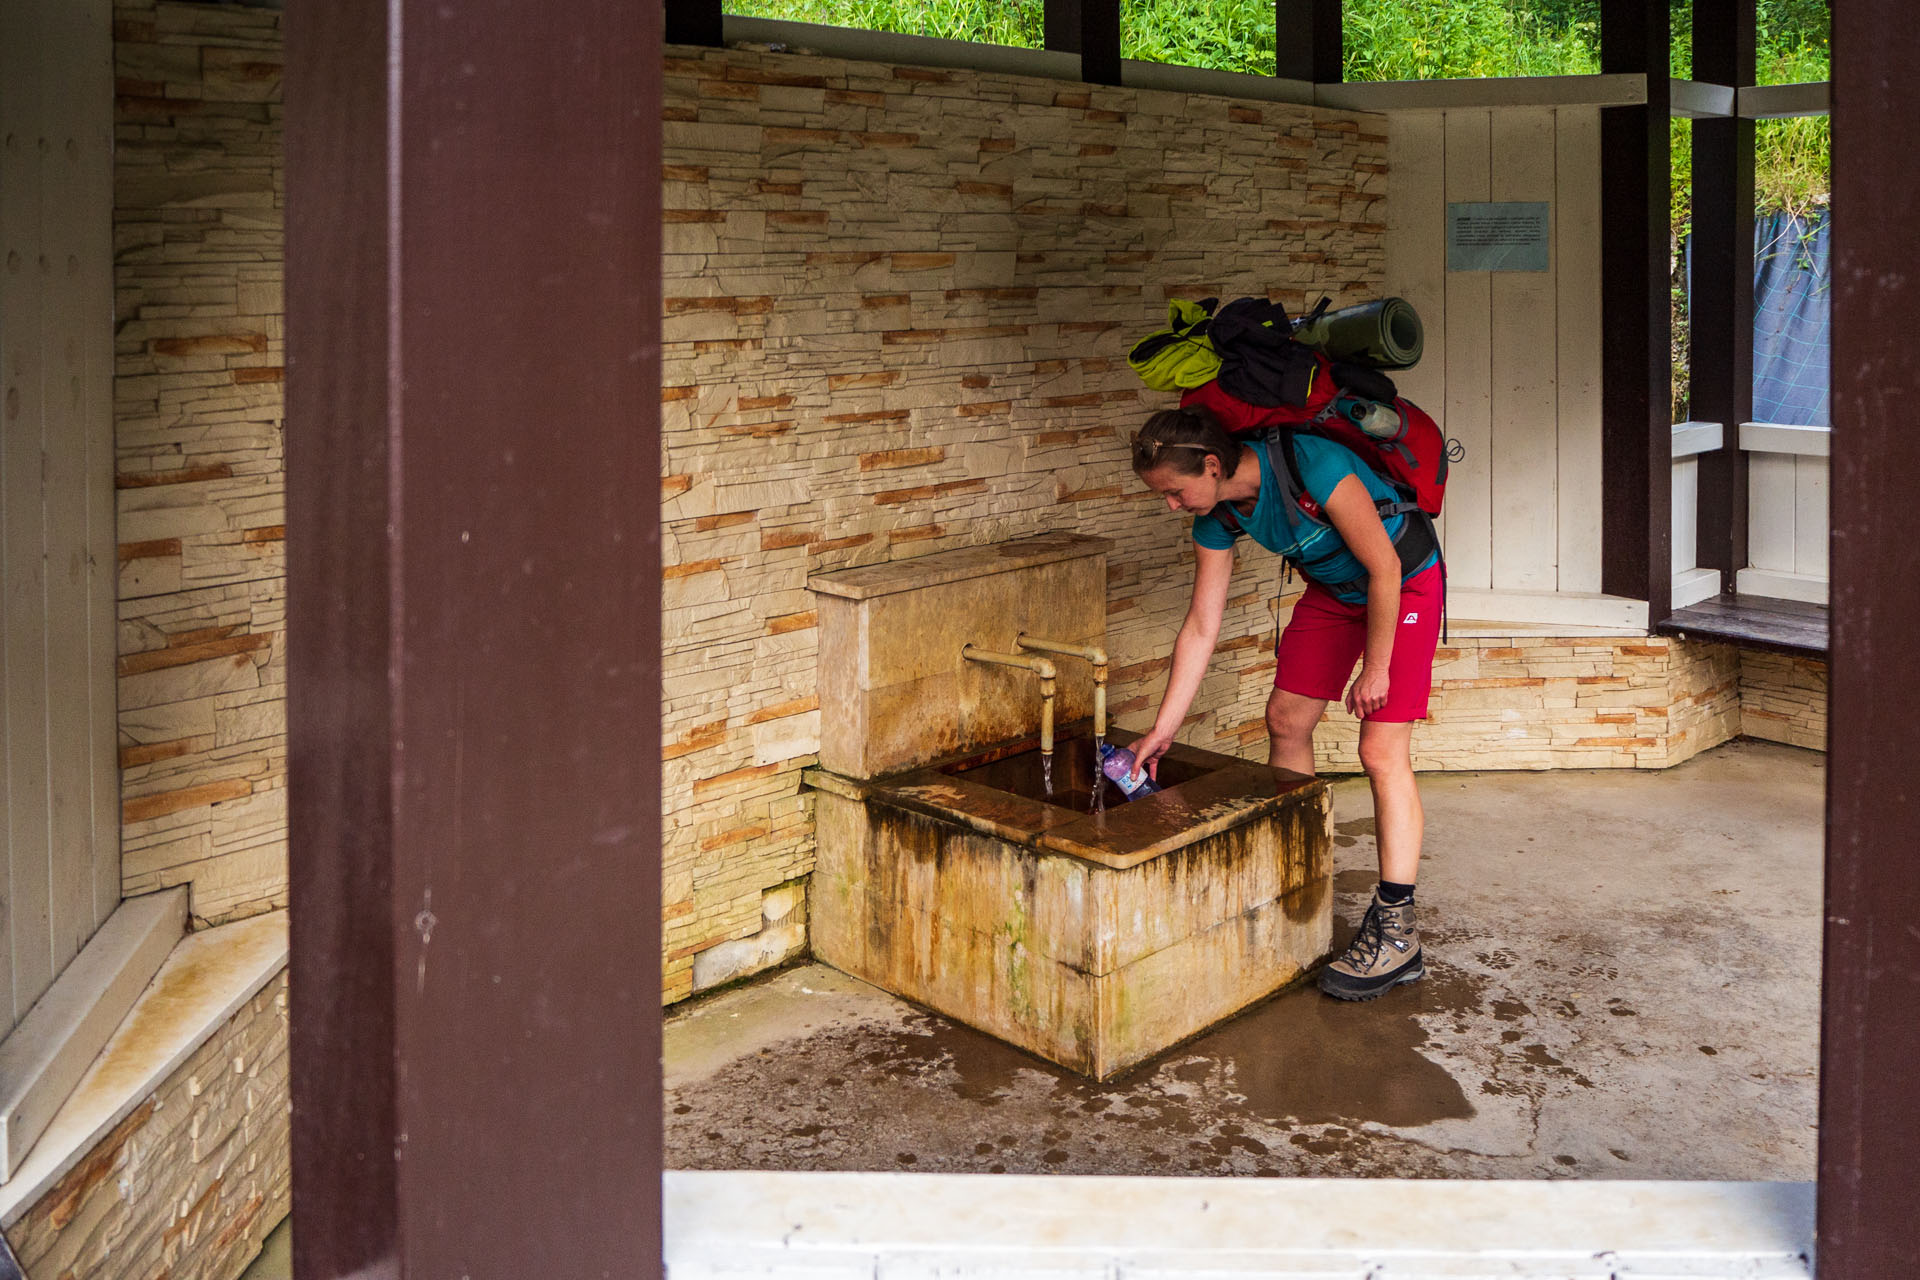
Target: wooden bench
1753,622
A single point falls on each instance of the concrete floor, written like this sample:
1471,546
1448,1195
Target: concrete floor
1623,982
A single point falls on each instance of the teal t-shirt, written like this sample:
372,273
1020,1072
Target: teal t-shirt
1314,546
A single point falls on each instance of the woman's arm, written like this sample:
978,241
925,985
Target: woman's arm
1350,508
1192,651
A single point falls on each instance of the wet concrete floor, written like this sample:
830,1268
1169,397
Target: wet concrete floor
1623,981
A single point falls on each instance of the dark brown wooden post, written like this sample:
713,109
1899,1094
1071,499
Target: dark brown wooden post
1308,42
1870,1006
1090,28
473,424
694,22
1721,308
1636,538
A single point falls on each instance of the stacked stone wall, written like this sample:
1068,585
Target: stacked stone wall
190,1183
1784,699
1527,701
198,361
898,304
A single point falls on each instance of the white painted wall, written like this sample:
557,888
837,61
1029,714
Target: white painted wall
1512,363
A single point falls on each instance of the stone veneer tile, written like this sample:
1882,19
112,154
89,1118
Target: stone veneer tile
200,470
189,1184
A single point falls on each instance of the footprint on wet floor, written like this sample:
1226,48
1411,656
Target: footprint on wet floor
1498,958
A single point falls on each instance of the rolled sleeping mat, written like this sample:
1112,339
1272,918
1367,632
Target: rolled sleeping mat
1385,334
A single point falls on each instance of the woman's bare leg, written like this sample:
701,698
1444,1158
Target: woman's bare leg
1291,720
1386,753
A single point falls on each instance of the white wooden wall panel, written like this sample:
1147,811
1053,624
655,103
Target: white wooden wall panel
56,441
78,68
24,424
1576,253
1772,491
1512,358
1522,452
92,216
1416,203
1810,516
1467,359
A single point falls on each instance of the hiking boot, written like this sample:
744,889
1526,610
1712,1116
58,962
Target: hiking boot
1384,954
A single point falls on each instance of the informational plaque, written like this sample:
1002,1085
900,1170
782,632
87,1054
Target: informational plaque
1510,235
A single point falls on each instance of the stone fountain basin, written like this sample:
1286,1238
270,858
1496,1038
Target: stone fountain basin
1095,940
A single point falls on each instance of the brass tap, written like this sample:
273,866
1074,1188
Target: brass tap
1091,653
1040,667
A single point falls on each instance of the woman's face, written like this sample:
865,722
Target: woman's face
1195,494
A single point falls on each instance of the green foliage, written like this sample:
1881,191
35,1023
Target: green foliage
1221,35
1792,157
1792,41
1009,22
1792,165
1422,40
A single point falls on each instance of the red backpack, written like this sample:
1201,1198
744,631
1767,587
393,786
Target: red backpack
1414,459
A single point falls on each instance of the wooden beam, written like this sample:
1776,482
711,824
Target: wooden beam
1090,28
1636,360
1308,41
1780,101
1482,94
1870,1003
1721,308
473,531
694,22
1060,20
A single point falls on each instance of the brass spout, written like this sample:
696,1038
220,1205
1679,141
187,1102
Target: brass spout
1092,653
1040,667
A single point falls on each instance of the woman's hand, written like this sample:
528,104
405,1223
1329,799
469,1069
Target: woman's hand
1148,750
1368,693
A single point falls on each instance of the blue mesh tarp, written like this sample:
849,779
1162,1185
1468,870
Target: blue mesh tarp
1792,324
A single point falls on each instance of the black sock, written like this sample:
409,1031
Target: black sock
1394,894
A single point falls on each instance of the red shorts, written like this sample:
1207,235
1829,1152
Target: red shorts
1317,651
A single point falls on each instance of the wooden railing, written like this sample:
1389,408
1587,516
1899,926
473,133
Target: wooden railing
1691,584
1786,512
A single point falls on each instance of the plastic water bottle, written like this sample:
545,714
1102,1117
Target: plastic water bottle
1380,421
1119,764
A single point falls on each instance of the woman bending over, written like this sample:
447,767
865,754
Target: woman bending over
1374,594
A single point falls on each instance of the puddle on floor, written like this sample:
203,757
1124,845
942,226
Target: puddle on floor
1300,1084
1299,1057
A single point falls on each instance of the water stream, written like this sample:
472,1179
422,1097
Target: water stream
1099,801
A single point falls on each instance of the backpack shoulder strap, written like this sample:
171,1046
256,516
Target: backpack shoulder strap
1286,463
1277,443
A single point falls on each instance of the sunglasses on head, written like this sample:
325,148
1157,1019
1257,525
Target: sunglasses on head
1155,446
